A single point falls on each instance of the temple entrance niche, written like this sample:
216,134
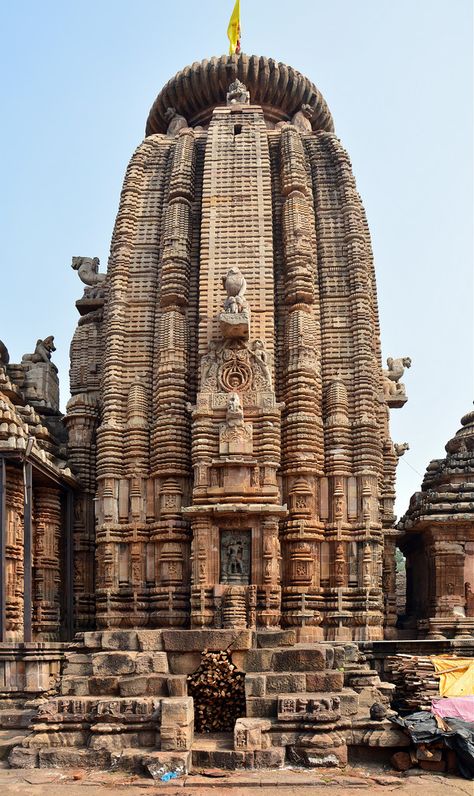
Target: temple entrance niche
235,556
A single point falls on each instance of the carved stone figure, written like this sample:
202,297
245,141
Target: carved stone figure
396,368
401,448
234,320
302,119
42,352
393,387
238,94
235,414
175,121
209,366
235,286
88,270
235,557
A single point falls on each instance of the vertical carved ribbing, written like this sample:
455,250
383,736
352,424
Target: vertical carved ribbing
302,443
14,563
355,429
302,431
132,276
171,447
123,447
46,559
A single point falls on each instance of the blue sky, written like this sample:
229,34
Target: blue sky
80,77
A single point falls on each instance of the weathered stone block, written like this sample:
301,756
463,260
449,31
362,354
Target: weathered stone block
177,711
339,657
112,663
20,719
113,742
278,683
160,762
8,740
151,684
99,686
248,733
269,758
199,640
21,757
329,680
56,737
74,686
58,757
183,662
329,656
216,758
254,685
119,640
93,639
305,659
177,685
351,653
276,638
322,758
261,707
349,702
143,663
255,660
155,662
176,738
150,640
77,664
309,707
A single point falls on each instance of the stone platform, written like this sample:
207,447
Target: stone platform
122,702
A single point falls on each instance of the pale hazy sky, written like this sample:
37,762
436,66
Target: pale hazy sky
80,77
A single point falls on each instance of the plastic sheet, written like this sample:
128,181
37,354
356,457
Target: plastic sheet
454,707
456,675
456,734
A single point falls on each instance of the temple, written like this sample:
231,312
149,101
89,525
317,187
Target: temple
223,481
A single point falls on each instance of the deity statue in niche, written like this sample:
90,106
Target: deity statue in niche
235,557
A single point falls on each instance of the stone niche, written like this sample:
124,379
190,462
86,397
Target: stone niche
235,557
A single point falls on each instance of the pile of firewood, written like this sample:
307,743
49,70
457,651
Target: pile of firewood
415,681
218,691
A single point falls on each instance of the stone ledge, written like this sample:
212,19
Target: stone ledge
200,640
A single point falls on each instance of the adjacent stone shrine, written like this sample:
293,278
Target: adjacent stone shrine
438,542
232,536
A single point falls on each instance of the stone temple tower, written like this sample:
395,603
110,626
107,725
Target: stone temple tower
229,410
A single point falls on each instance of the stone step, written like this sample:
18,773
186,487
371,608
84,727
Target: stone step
9,739
216,750
16,718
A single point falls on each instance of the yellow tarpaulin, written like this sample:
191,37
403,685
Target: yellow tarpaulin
456,675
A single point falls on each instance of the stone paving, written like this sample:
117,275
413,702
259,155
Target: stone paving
369,779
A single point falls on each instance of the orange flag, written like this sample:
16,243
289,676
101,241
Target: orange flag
233,31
